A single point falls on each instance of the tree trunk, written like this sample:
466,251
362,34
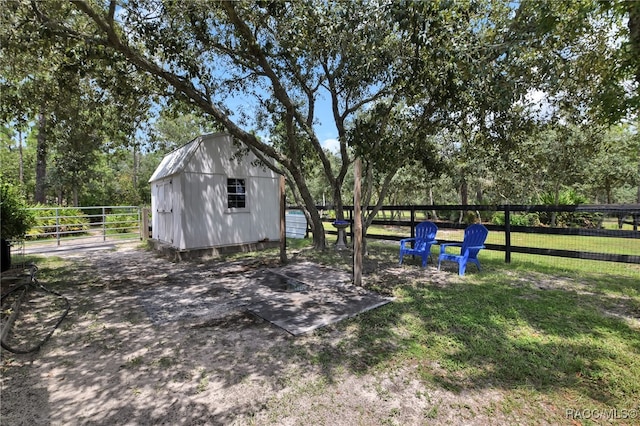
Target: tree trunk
338,206
434,214
634,37
319,241
357,216
283,223
556,198
75,196
134,177
638,199
311,212
21,157
464,198
479,194
464,192
41,159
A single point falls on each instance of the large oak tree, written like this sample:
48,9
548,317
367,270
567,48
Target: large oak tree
261,69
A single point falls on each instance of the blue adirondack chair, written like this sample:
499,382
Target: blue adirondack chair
474,237
425,238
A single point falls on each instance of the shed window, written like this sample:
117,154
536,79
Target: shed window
236,194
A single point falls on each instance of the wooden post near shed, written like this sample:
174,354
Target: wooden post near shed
357,221
283,223
144,232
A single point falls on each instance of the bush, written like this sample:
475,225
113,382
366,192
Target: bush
567,196
470,217
568,219
122,223
529,219
69,219
15,219
584,220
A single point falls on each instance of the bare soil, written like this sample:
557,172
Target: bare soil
112,363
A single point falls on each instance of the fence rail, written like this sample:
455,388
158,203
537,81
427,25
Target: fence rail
615,215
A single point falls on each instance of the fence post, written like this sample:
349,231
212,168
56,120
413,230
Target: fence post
507,234
413,221
104,225
58,226
283,220
145,224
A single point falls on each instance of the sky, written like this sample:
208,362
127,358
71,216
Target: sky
324,126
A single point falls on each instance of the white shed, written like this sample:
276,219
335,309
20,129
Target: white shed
204,195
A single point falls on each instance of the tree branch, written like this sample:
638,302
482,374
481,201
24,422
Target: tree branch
278,89
181,84
112,11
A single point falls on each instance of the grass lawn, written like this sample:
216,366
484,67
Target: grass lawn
562,331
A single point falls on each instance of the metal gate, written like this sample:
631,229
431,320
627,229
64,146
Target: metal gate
64,228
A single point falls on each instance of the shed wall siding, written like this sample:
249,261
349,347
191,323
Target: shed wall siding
207,222
202,220
264,204
178,212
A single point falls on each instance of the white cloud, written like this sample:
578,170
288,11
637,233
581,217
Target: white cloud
332,145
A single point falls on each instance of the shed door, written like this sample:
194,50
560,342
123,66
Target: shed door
165,212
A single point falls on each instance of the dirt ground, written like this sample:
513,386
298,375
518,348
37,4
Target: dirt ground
112,363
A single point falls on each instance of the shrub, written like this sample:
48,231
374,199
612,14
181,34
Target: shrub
569,219
50,220
121,223
470,217
529,219
15,219
567,196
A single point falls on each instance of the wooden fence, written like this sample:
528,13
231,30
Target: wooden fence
625,214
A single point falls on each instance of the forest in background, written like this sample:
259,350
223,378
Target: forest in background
445,102
601,170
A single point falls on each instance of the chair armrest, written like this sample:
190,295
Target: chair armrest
475,247
443,247
405,240
431,243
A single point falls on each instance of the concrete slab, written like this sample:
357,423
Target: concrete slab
308,296
298,298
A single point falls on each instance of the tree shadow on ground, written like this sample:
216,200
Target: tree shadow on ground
110,364
497,329
464,344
